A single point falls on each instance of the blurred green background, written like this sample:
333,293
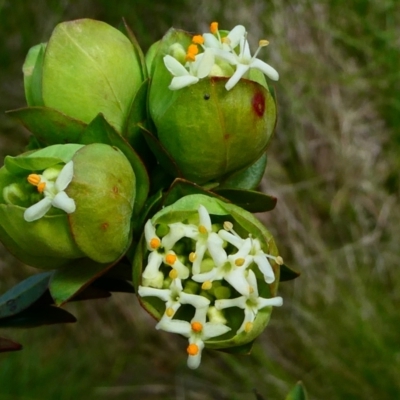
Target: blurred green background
334,166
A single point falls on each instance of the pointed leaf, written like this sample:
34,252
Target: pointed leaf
38,316
24,294
48,125
287,274
250,200
69,281
298,392
9,345
249,178
32,70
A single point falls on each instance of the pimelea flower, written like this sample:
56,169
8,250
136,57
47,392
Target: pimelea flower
52,185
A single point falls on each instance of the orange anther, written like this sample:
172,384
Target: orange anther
202,229
190,57
239,262
196,326
41,186
155,243
170,259
193,49
33,179
192,349
198,39
214,27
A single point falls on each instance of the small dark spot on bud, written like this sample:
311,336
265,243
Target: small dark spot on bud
115,189
104,226
258,103
206,96
227,136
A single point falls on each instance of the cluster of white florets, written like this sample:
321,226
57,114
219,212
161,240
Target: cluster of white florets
212,54
208,277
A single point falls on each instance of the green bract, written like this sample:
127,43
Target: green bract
206,263
208,131
82,210
86,68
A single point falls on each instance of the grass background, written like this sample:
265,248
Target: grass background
334,166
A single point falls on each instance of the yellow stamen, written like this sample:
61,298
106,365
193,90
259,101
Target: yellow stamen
155,243
173,274
196,326
239,262
202,229
33,179
279,260
248,327
192,349
226,40
169,311
263,43
207,285
192,256
170,259
228,225
214,27
198,39
41,186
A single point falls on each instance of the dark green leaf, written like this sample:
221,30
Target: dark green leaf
90,293
248,199
248,178
9,345
243,349
287,274
24,294
50,126
298,392
38,316
100,131
69,281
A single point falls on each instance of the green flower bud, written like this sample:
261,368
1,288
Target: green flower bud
213,112
86,68
237,291
66,202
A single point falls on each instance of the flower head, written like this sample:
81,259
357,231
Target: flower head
52,185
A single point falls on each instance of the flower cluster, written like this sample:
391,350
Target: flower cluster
205,268
216,54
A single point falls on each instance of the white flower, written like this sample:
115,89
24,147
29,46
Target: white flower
198,69
54,194
251,303
197,331
206,239
174,297
244,61
227,43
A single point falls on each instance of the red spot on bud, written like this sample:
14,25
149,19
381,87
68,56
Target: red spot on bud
104,226
258,103
115,189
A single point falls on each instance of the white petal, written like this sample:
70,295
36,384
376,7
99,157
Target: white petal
227,303
149,233
163,294
205,64
204,217
237,279
214,245
201,248
236,34
211,41
176,232
182,81
212,330
182,269
249,316
265,68
65,177
245,49
63,202
231,238
213,275
38,210
175,326
153,265
193,362
228,56
251,278
265,267
174,66
274,301
241,69
195,300
200,315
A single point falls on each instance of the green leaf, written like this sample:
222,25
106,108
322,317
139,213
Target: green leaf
38,316
32,70
287,274
244,349
72,279
250,200
48,125
248,178
24,294
100,131
9,345
298,392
